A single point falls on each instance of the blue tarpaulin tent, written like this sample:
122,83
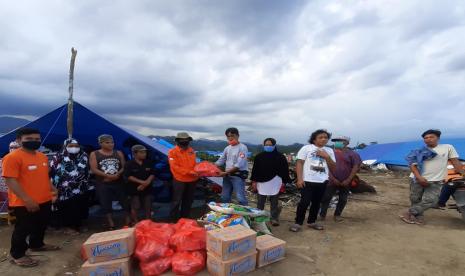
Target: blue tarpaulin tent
87,127
394,153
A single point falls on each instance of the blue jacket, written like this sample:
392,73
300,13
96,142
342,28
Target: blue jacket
418,156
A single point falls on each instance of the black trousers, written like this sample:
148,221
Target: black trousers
72,211
32,225
341,204
183,196
313,193
275,210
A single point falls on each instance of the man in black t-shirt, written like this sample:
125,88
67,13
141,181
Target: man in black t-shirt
139,174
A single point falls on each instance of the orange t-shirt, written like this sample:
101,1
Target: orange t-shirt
182,163
31,172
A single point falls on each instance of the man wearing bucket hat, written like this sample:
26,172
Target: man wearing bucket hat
347,165
182,162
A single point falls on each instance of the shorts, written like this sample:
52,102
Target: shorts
140,201
108,193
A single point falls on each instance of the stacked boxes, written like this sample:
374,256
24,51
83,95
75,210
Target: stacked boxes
231,251
116,267
108,253
270,250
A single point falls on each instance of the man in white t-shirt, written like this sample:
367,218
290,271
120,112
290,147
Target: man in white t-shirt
314,162
429,176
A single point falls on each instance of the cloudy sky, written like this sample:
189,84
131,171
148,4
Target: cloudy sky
374,70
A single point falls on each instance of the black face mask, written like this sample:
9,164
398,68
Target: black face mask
183,144
31,145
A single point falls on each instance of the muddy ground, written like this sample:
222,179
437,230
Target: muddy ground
371,241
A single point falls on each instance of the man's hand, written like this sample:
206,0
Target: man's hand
254,186
300,184
346,182
31,205
54,195
194,173
141,188
323,154
112,177
422,181
223,174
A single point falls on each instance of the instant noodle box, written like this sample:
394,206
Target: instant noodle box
270,250
234,267
119,267
111,245
231,242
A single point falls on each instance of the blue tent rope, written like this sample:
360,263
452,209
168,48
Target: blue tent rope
53,125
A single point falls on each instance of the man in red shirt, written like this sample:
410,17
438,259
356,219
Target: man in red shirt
182,162
30,194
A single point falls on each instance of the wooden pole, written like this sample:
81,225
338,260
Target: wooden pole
70,91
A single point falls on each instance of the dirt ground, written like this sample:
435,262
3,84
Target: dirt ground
371,241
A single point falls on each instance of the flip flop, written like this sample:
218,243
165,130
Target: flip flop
406,219
25,262
45,248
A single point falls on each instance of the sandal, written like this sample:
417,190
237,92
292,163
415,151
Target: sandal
24,262
71,232
46,247
420,220
338,219
407,218
274,222
316,226
295,228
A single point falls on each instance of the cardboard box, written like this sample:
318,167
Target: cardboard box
238,266
119,267
111,245
231,242
270,250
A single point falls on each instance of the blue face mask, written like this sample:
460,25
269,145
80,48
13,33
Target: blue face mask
268,148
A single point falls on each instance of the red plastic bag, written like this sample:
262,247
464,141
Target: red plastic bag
156,267
185,223
148,228
189,239
207,169
152,240
151,250
188,263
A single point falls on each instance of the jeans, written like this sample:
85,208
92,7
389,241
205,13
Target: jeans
341,204
237,184
32,225
311,193
274,202
446,192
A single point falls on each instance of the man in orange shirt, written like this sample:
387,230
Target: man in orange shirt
182,162
30,195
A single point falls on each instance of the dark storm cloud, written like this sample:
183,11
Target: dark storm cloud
272,68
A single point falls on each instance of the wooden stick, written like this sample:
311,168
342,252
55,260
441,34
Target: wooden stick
69,120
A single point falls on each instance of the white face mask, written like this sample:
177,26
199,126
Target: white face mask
73,150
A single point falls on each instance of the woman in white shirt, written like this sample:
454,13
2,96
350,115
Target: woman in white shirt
314,162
